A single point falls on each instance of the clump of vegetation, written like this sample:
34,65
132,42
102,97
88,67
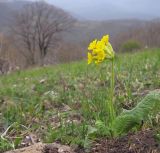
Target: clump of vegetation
130,45
149,106
100,52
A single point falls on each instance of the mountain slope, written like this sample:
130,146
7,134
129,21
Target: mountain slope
6,10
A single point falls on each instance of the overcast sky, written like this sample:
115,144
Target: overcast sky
108,9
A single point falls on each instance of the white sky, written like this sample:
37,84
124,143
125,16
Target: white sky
109,9
97,8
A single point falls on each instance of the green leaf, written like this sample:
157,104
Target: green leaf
130,119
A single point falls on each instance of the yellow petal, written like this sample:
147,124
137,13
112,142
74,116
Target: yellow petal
92,45
105,39
100,45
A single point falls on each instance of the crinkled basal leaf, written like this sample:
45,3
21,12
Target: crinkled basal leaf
130,119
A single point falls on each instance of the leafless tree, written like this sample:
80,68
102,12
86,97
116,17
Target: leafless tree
36,28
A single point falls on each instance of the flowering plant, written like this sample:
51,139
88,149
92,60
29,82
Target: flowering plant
99,51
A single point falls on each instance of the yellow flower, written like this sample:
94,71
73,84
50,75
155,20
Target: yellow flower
105,39
90,58
100,56
100,45
97,57
100,50
92,45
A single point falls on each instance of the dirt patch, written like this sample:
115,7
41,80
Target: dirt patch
44,148
141,142
36,148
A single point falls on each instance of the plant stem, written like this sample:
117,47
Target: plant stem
112,109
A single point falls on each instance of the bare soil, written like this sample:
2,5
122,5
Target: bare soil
141,142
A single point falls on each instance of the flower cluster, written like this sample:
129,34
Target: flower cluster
100,50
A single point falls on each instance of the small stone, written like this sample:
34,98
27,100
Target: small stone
42,81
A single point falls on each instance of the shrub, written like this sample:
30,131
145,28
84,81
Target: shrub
130,45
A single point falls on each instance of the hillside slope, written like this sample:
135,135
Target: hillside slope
41,99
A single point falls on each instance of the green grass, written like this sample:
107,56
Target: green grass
49,101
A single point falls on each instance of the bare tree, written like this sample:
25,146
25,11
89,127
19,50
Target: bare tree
36,28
